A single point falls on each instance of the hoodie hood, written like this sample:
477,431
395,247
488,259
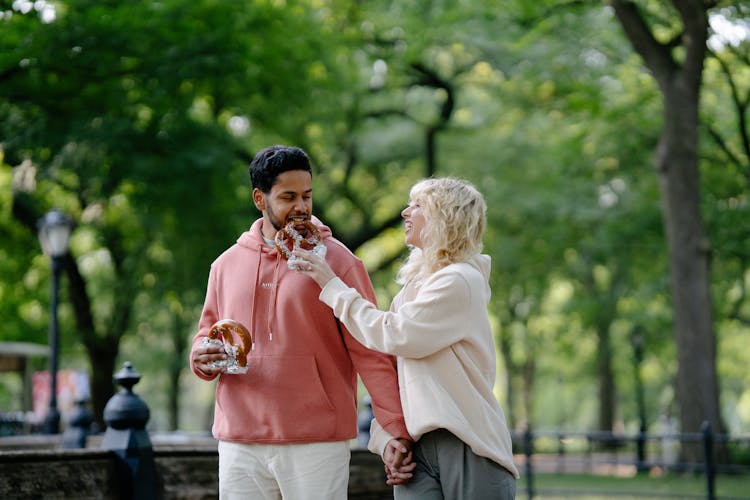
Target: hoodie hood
483,263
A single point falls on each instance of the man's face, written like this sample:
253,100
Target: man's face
290,199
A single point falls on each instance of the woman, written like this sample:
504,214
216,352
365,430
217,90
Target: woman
439,329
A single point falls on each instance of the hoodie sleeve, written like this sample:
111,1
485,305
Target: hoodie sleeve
377,370
378,438
209,316
434,320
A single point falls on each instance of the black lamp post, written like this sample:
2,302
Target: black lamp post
54,234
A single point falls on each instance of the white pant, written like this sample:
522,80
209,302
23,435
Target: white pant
290,471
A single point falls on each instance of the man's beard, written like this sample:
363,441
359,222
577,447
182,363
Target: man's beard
277,223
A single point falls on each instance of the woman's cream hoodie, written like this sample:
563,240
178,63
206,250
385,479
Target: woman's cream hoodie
441,335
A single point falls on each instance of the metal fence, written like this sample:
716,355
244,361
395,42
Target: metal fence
612,453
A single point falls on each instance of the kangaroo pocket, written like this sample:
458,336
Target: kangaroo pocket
280,399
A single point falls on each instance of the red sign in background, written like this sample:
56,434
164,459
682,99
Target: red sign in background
72,385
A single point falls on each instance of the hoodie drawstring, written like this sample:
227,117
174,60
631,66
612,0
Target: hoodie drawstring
255,290
272,302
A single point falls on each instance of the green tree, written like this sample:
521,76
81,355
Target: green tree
675,53
124,114
144,133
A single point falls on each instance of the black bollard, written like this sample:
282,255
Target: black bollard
126,415
79,426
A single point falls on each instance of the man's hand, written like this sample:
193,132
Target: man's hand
399,461
204,355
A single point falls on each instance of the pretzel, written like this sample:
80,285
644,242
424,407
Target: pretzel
288,235
226,332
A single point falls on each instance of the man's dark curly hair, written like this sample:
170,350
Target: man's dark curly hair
268,163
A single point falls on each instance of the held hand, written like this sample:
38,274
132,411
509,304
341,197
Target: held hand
399,461
313,266
204,355
395,451
394,478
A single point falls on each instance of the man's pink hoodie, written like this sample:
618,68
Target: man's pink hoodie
301,385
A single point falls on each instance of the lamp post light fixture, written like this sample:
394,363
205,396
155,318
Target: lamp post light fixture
54,235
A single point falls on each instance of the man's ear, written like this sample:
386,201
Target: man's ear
259,199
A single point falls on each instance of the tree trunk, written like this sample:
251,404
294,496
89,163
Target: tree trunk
102,347
606,378
679,183
601,320
689,258
102,359
176,366
509,406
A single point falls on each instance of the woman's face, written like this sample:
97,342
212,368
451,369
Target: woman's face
413,223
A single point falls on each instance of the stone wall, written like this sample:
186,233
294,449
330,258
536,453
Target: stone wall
81,474
183,472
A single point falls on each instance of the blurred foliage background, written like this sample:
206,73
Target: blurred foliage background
139,119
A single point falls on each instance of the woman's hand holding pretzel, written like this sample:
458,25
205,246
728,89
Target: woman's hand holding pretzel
314,266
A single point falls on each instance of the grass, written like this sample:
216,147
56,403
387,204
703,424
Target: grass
594,487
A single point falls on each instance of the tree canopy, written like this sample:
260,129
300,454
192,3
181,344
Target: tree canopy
139,118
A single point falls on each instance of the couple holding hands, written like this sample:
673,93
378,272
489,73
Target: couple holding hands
428,362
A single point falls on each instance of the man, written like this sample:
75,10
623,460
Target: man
284,426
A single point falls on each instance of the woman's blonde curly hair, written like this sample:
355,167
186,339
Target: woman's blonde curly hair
455,218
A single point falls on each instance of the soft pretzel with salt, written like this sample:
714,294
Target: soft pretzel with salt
289,235
238,338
